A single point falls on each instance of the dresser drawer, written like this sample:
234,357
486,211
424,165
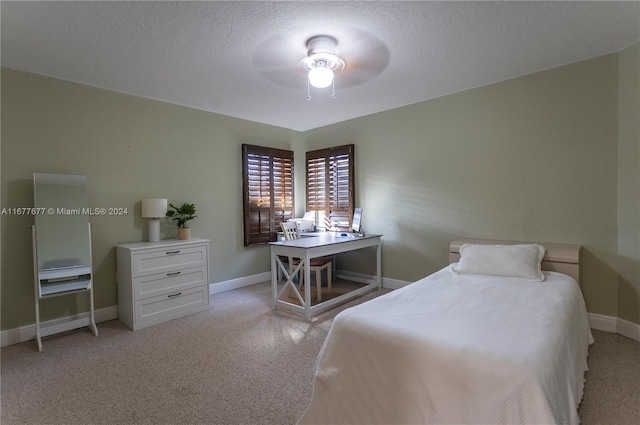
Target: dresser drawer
166,307
168,259
174,281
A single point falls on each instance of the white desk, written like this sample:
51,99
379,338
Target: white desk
312,246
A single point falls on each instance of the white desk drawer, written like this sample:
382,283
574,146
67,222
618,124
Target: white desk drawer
173,281
168,259
165,307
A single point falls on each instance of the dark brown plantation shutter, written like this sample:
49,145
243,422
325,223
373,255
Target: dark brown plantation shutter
330,185
282,188
316,182
268,192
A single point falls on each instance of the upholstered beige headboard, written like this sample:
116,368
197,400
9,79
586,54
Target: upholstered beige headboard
562,258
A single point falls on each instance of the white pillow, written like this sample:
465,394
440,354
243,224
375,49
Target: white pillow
515,261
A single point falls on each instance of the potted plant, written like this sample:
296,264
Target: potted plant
182,215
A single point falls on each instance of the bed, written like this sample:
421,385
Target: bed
484,340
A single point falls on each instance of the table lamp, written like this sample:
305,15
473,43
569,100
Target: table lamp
154,209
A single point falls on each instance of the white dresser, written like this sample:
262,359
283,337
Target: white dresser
160,281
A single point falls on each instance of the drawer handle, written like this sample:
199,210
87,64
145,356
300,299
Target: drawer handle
173,274
172,252
174,295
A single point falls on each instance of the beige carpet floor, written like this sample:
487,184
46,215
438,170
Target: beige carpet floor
236,363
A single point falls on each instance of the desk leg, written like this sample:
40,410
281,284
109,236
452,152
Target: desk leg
274,279
307,286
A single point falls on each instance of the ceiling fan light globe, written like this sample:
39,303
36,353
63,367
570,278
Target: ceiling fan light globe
320,77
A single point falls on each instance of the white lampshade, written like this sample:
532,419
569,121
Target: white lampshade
320,76
154,208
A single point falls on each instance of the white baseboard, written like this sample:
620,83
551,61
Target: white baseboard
215,288
615,325
365,278
629,329
601,322
54,326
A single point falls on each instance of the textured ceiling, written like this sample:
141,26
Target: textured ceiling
239,58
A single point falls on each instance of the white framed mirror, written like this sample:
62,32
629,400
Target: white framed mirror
61,239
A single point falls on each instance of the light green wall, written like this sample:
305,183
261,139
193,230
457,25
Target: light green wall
629,184
130,149
534,158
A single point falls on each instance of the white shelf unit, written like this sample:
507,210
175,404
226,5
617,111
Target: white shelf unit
59,281
161,281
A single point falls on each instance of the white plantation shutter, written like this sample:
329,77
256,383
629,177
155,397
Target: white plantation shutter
268,192
330,186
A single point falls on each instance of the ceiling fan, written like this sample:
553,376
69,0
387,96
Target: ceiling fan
350,58
321,62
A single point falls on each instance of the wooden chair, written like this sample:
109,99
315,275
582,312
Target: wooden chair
291,231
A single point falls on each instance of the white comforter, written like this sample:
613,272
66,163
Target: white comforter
456,349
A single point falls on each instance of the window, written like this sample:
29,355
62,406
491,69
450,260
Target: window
330,186
267,178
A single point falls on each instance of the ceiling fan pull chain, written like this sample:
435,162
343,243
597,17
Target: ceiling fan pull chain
308,90
333,94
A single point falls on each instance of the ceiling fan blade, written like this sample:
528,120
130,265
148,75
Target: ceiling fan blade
277,60
360,71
